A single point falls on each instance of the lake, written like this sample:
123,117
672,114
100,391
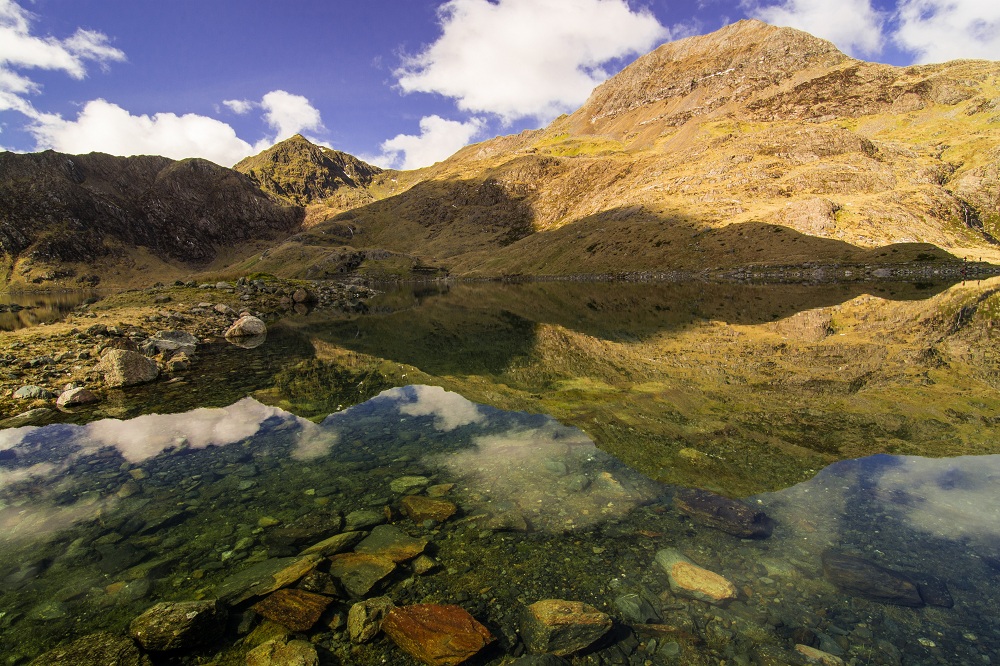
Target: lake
565,423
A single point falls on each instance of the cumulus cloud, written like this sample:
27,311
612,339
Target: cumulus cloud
105,127
941,30
19,49
439,138
853,25
239,106
527,58
450,410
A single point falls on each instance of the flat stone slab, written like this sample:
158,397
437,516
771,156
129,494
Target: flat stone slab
687,579
419,508
280,653
98,649
391,542
360,572
171,625
296,609
440,635
338,543
562,627
858,576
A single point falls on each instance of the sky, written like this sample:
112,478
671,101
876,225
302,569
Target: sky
399,83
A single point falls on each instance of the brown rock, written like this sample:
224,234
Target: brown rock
76,396
562,627
280,653
360,572
296,609
246,327
364,620
689,580
335,544
858,576
98,649
729,515
436,634
814,656
419,508
170,625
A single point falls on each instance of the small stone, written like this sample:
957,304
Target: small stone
406,485
439,490
424,564
297,610
392,543
562,627
364,620
100,649
441,635
278,652
338,543
814,656
170,625
419,508
246,326
268,521
32,392
363,519
76,396
360,572
690,580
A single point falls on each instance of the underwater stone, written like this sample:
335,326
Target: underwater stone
814,656
442,635
689,580
419,508
338,543
277,652
364,620
390,542
98,649
858,576
297,610
636,609
265,577
722,513
360,572
405,485
170,625
562,627
540,660
363,518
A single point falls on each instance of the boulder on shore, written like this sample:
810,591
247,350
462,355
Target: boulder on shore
126,368
246,326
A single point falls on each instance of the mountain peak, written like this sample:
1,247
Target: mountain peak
301,172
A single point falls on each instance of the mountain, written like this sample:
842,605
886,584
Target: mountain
302,173
81,218
753,145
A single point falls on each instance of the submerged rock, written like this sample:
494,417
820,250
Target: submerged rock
406,485
170,625
562,627
360,572
419,508
30,417
722,513
814,656
297,610
278,652
100,649
689,580
441,635
856,575
364,620
126,368
392,543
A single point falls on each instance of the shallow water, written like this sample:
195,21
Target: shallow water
34,308
789,398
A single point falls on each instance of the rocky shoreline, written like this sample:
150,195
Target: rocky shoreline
40,366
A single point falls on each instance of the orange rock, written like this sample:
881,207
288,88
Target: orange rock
562,627
419,508
440,635
296,609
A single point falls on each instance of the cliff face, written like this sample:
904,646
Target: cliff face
695,153
60,209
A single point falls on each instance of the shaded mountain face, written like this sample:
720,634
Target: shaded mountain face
692,156
301,173
62,209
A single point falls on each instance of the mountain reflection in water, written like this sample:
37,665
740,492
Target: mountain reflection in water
102,520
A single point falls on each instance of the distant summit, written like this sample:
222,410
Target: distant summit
301,172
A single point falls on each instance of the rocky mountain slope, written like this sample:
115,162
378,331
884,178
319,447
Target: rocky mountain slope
754,145
66,219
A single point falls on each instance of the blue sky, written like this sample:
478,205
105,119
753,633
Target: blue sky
401,83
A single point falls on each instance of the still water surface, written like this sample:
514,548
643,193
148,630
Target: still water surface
862,419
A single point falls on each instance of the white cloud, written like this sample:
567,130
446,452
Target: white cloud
19,49
942,30
439,138
105,127
527,58
289,114
450,410
853,25
239,106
